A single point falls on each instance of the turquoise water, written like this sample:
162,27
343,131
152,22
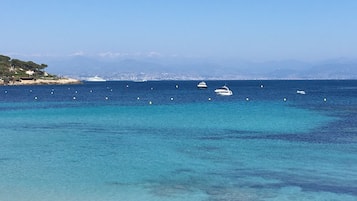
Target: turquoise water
108,143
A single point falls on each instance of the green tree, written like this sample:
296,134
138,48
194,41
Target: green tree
4,59
15,68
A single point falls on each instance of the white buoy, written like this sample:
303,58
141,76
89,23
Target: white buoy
35,97
152,88
171,98
74,98
76,91
150,103
261,86
5,91
106,98
177,86
325,99
127,86
30,90
247,99
90,91
209,99
52,92
284,99
138,98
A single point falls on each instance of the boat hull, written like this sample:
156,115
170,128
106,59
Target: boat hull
202,85
223,91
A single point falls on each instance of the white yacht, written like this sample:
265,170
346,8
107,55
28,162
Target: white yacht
95,79
223,91
140,80
302,92
202,85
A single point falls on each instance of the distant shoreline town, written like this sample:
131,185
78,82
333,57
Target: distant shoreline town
17,72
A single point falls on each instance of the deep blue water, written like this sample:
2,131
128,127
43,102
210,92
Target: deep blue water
105,141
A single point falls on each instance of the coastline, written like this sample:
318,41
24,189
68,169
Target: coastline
60,81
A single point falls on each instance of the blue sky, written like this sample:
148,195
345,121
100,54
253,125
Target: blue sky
254,30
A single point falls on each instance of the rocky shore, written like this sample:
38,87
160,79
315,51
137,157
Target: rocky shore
58,81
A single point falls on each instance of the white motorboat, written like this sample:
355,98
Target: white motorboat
95,79
302,92
140,80
202,85
223,91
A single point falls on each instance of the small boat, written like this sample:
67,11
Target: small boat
139,80
202,85
95,79
223,91
301,92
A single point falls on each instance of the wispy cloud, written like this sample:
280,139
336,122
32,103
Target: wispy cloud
151,54
78,53
104,55
112,54
154,54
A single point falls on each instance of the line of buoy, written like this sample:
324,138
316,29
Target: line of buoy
151,102
172,98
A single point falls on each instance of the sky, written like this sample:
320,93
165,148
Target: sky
252,30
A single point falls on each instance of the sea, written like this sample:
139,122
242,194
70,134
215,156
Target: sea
170,141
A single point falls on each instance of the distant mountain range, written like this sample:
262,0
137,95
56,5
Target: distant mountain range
159,68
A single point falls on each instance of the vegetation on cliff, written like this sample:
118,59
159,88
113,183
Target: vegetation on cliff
15,70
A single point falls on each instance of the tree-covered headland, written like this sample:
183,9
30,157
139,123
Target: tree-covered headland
15,70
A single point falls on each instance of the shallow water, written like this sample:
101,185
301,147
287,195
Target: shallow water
105,141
